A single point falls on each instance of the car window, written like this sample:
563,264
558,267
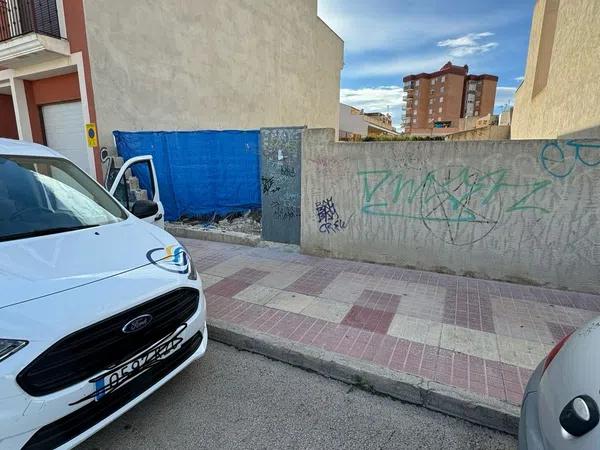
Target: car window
50,195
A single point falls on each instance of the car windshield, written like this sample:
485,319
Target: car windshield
40,196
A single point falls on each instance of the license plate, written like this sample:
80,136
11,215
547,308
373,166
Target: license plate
119,376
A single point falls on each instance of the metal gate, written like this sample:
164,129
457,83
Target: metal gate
280,183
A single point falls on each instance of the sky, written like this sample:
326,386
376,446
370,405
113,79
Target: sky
385,40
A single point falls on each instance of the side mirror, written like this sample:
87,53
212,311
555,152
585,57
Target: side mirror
144,208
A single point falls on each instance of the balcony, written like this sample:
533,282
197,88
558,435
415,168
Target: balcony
30,32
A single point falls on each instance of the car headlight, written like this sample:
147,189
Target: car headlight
10,346
192,275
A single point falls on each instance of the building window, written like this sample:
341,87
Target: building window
433,81
431,101
442,89
416,102
476,113
443,78
439,118
431,111
440,110
417,82
415,120
441,99
477,103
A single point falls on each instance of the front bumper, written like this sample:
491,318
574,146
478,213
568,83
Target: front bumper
49,421
530,434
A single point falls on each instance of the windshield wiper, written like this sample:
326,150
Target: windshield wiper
44,232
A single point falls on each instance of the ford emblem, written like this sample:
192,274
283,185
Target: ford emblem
137,324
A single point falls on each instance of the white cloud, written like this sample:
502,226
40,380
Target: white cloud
469,44
388,27
467,40
521,78
375,99
504,95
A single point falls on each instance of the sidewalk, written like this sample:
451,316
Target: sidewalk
482,337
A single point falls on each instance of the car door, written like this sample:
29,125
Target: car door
136,181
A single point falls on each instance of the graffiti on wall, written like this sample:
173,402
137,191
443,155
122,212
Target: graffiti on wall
458,204
328,217
560,160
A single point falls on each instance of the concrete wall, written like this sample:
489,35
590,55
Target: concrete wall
508,210
227,64
569,101
487,133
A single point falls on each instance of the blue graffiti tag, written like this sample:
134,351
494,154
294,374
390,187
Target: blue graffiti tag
554,161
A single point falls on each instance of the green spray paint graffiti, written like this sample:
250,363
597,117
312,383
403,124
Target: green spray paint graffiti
560,164
459,204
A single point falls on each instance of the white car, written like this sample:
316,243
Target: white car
560,403
98,308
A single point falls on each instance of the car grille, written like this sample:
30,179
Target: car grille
103,345
63,430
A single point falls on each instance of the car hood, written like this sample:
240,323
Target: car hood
41,266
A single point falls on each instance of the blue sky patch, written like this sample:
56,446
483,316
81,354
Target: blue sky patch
388,39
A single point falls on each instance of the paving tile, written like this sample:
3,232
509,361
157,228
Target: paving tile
470,342
368,319
480,335
313,331
208,280
415,329
227,287
258,294
330,336
287,325
290,301
385,350
252,315
381,301
284,276
268,322
348,340
360,343
326,309
346,287
228,267
316,279
559,330
372,347
428,307
303,327
520,352
249,275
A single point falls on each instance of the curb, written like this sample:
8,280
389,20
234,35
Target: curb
229,237
456,402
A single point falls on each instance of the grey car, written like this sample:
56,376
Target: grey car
560,404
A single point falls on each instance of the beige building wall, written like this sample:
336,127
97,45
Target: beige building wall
227,64
561,92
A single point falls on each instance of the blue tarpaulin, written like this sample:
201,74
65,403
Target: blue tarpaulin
199,172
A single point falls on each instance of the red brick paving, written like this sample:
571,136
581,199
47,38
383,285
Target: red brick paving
368,319
363,332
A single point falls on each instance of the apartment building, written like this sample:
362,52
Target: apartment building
356,124
435,102
560,95
162,65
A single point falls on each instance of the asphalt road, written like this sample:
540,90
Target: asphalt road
234,399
